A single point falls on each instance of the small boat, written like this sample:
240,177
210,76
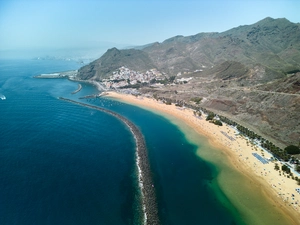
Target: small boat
2,97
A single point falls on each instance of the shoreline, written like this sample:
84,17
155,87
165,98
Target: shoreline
277,189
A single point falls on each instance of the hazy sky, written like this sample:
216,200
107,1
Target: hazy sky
52,24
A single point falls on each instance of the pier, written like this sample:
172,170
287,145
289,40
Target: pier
89,96
148,195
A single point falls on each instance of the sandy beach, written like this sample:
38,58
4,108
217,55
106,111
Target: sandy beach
241,154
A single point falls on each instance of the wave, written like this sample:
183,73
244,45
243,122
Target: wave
2,97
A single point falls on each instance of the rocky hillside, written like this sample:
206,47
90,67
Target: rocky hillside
249,73
272,44
270,109
114,59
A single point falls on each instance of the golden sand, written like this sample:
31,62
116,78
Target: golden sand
277,189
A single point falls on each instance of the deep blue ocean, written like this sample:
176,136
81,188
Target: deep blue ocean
62,163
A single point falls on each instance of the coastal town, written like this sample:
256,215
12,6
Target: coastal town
126,78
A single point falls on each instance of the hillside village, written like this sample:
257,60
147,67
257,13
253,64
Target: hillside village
125,77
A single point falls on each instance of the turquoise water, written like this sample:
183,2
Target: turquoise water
62,163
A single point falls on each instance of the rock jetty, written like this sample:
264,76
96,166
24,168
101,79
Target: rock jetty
148,195
77,90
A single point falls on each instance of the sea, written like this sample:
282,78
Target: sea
65,164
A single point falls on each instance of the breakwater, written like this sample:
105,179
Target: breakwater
93,96
77,90
146,185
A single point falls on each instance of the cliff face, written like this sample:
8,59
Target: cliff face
248,73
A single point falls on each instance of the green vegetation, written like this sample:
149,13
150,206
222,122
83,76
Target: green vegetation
164,81
277,152
293,71
171,79
178,104
297,179
117,81
210,116
168,102
153,81
217,122
272,148
286,169
247,132
292,150
197,100
227,121
197,113
136,86
297,168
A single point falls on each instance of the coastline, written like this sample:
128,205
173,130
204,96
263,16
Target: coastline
275,189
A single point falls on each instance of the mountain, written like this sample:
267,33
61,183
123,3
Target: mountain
273,44
249,74
114,59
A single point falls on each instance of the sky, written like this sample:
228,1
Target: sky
65,24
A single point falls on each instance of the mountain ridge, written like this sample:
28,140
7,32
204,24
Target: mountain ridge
273,43
241,67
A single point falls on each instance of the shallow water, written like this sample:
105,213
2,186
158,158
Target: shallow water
240,194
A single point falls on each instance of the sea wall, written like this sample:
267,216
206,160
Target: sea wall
148,196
